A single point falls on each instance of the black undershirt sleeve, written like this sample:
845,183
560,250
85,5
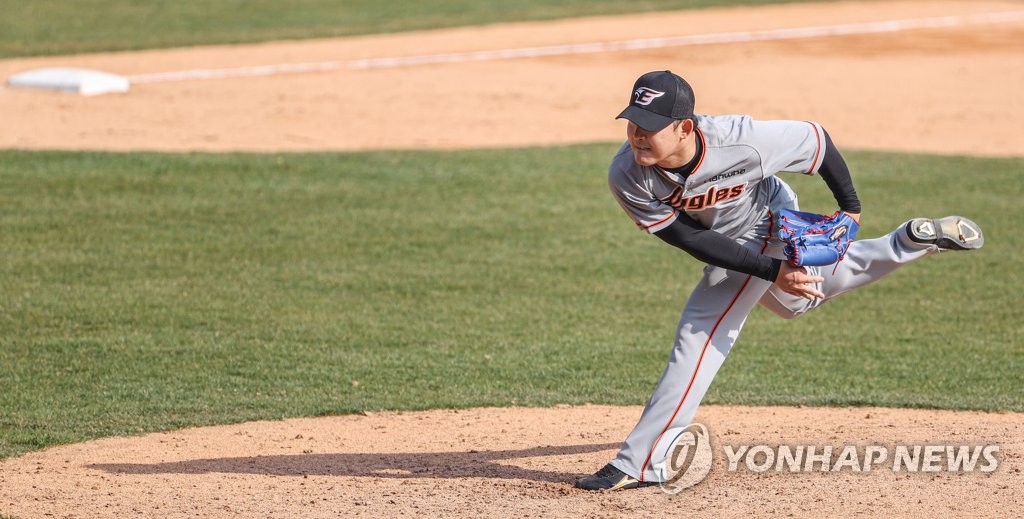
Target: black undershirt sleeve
837,177
715,249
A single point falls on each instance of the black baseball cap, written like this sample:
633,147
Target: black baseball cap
659,98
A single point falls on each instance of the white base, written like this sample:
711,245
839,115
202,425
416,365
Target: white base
80,81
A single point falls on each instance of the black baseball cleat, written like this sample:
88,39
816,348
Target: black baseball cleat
610,478
949,233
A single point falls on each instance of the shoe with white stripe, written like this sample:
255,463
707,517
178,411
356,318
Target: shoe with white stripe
949,233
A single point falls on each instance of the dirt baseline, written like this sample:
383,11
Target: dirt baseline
948,89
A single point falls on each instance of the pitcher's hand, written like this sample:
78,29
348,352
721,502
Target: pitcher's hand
796,281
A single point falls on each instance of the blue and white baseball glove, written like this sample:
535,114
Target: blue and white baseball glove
815,239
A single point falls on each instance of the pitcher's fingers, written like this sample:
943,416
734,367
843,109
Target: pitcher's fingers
810,286
816,294
807,278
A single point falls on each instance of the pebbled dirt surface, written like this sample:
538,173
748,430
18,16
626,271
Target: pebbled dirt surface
512,462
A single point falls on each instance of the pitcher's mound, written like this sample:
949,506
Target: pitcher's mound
521,462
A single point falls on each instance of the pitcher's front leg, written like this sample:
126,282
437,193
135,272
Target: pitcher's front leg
708,328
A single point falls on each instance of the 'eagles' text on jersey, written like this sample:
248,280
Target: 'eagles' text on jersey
725,191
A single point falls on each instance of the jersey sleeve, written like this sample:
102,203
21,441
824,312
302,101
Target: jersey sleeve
789,146
647,212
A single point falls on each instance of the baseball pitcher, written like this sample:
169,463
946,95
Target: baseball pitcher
710,186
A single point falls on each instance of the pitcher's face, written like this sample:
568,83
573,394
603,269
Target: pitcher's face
666,147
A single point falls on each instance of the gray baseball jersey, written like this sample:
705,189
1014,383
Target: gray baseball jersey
725,192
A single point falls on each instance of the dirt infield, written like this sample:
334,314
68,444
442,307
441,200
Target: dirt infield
938,90
952,90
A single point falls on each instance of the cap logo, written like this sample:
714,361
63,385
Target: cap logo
645,95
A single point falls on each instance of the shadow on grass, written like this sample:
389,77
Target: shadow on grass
468,464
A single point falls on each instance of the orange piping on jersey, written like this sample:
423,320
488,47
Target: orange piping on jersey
659,222
703,150
703,350
817,152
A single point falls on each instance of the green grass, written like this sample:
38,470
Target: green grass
48,27
143,292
